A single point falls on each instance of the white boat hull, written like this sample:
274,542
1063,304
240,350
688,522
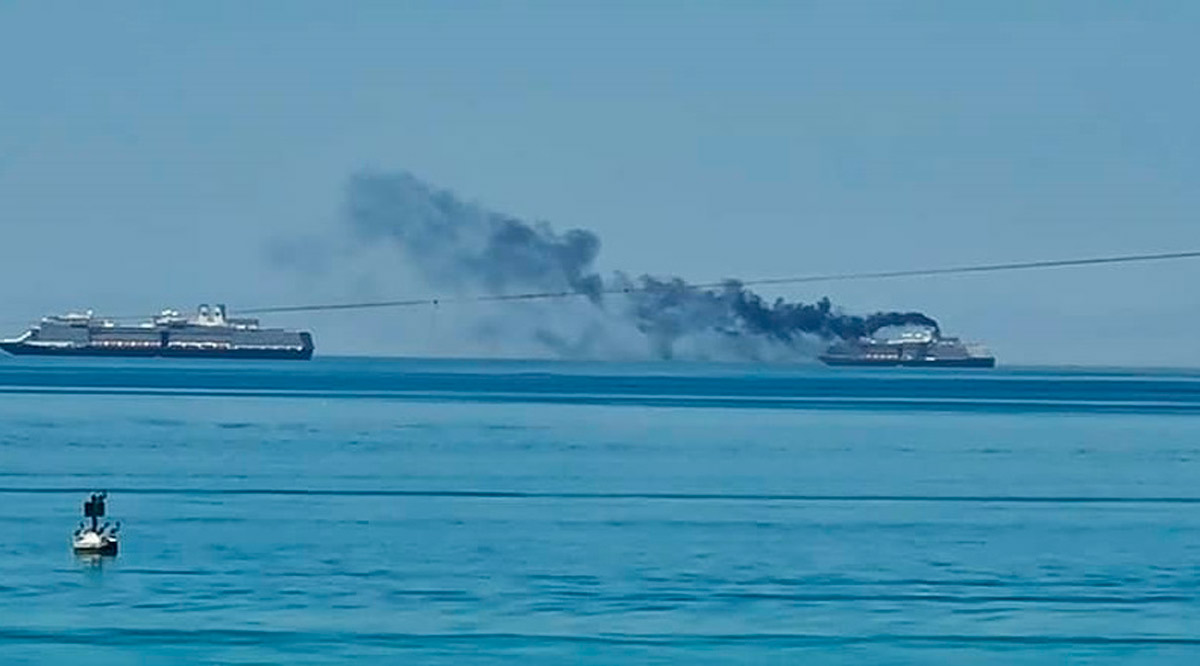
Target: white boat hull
91,542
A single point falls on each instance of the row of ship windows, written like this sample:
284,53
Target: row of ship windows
191,345
124,343
140,343
156,340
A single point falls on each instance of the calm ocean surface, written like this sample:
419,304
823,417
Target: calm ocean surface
452,512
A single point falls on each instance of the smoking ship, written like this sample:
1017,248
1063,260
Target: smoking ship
921,348
210,334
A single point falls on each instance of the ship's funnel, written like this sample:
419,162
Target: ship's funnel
886,319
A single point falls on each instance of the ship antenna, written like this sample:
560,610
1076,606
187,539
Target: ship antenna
94,507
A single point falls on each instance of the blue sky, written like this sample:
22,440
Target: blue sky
150,152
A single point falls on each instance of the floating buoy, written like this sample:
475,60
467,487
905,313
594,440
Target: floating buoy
94,538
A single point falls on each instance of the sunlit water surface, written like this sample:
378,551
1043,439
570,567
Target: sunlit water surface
545,513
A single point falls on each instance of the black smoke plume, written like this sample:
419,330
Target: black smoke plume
459,245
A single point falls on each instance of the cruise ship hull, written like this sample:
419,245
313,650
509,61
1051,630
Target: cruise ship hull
973,362
208,335
917,349
24,349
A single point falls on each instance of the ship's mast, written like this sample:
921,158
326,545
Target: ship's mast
94,508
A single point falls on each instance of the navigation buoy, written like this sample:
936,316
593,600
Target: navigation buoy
94,538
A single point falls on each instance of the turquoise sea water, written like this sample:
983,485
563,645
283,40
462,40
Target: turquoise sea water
448,512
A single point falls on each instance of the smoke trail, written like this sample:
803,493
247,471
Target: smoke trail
458,245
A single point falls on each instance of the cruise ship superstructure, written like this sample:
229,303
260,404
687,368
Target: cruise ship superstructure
919,348
209,334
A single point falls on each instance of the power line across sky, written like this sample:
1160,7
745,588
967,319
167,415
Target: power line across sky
801,279
633,288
